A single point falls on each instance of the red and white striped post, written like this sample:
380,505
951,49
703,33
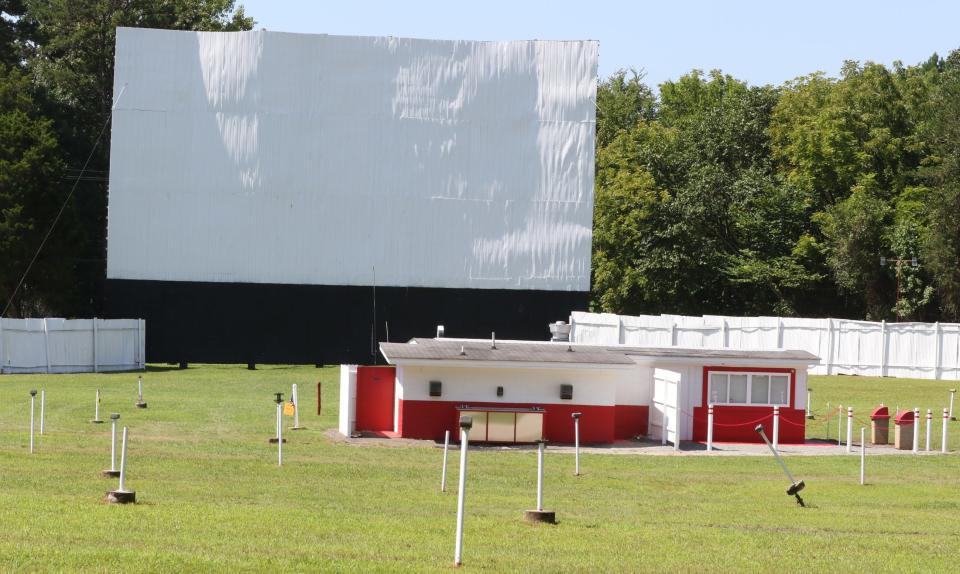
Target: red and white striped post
710,428
849,428
943,442
776,427
929,426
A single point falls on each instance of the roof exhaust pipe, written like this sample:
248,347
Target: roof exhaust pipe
439,331
493,339
559,331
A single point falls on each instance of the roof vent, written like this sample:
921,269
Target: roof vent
439,331
493,339
559,331
462,350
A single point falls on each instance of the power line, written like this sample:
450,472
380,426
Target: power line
63,206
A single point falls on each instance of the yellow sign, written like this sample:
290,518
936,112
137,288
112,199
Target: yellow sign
288,409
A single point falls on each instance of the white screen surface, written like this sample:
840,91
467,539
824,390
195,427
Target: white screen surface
266,157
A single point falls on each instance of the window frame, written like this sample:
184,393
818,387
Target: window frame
708,372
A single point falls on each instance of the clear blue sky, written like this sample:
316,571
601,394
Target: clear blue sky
762,42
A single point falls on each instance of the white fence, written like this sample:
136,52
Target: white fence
71,345
918,350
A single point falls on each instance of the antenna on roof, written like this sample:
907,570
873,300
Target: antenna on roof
493,339
373,326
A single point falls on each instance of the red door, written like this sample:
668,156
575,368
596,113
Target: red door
375,398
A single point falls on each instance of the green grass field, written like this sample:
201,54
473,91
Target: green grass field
212,499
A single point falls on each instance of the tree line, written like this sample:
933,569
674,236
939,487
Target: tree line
718,197
712,195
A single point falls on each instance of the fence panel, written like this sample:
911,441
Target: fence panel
55,345
919,350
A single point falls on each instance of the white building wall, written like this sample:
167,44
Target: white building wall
520,385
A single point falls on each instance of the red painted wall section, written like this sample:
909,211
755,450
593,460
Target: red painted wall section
736,424
631,421
375,392
598,425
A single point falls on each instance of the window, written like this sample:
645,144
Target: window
727,388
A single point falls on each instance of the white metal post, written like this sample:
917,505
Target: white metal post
809,414
279,434
916,430
540,476
952,393
123,462
839,425
294,394
43,400
776,427
943,442
96,408
849,428
461,495
710,428
139,389
929,426
576,442
33,395
863,453
443,473
113,444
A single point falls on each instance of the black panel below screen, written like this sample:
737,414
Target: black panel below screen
307,324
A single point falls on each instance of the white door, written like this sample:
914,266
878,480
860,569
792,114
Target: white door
665,414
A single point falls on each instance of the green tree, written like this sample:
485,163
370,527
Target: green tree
31,190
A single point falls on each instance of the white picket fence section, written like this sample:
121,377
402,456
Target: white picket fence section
71,345
916,350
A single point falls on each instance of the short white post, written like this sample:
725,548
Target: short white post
540,476
776,427
96,409
863,453
929,426
33,396
465,424
710,428
295,397
809,414
139,389
576,442
849,429
839,425
123,462
943,442
113,442
916,430
443,473
43,400
280,434
952,393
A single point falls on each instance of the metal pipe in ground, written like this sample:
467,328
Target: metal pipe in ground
443,472
849,429
710,428
576,441
863,453
929,426
943,441
465,424
33,396
43,400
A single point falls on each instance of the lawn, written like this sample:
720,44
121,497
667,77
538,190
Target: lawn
212,498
